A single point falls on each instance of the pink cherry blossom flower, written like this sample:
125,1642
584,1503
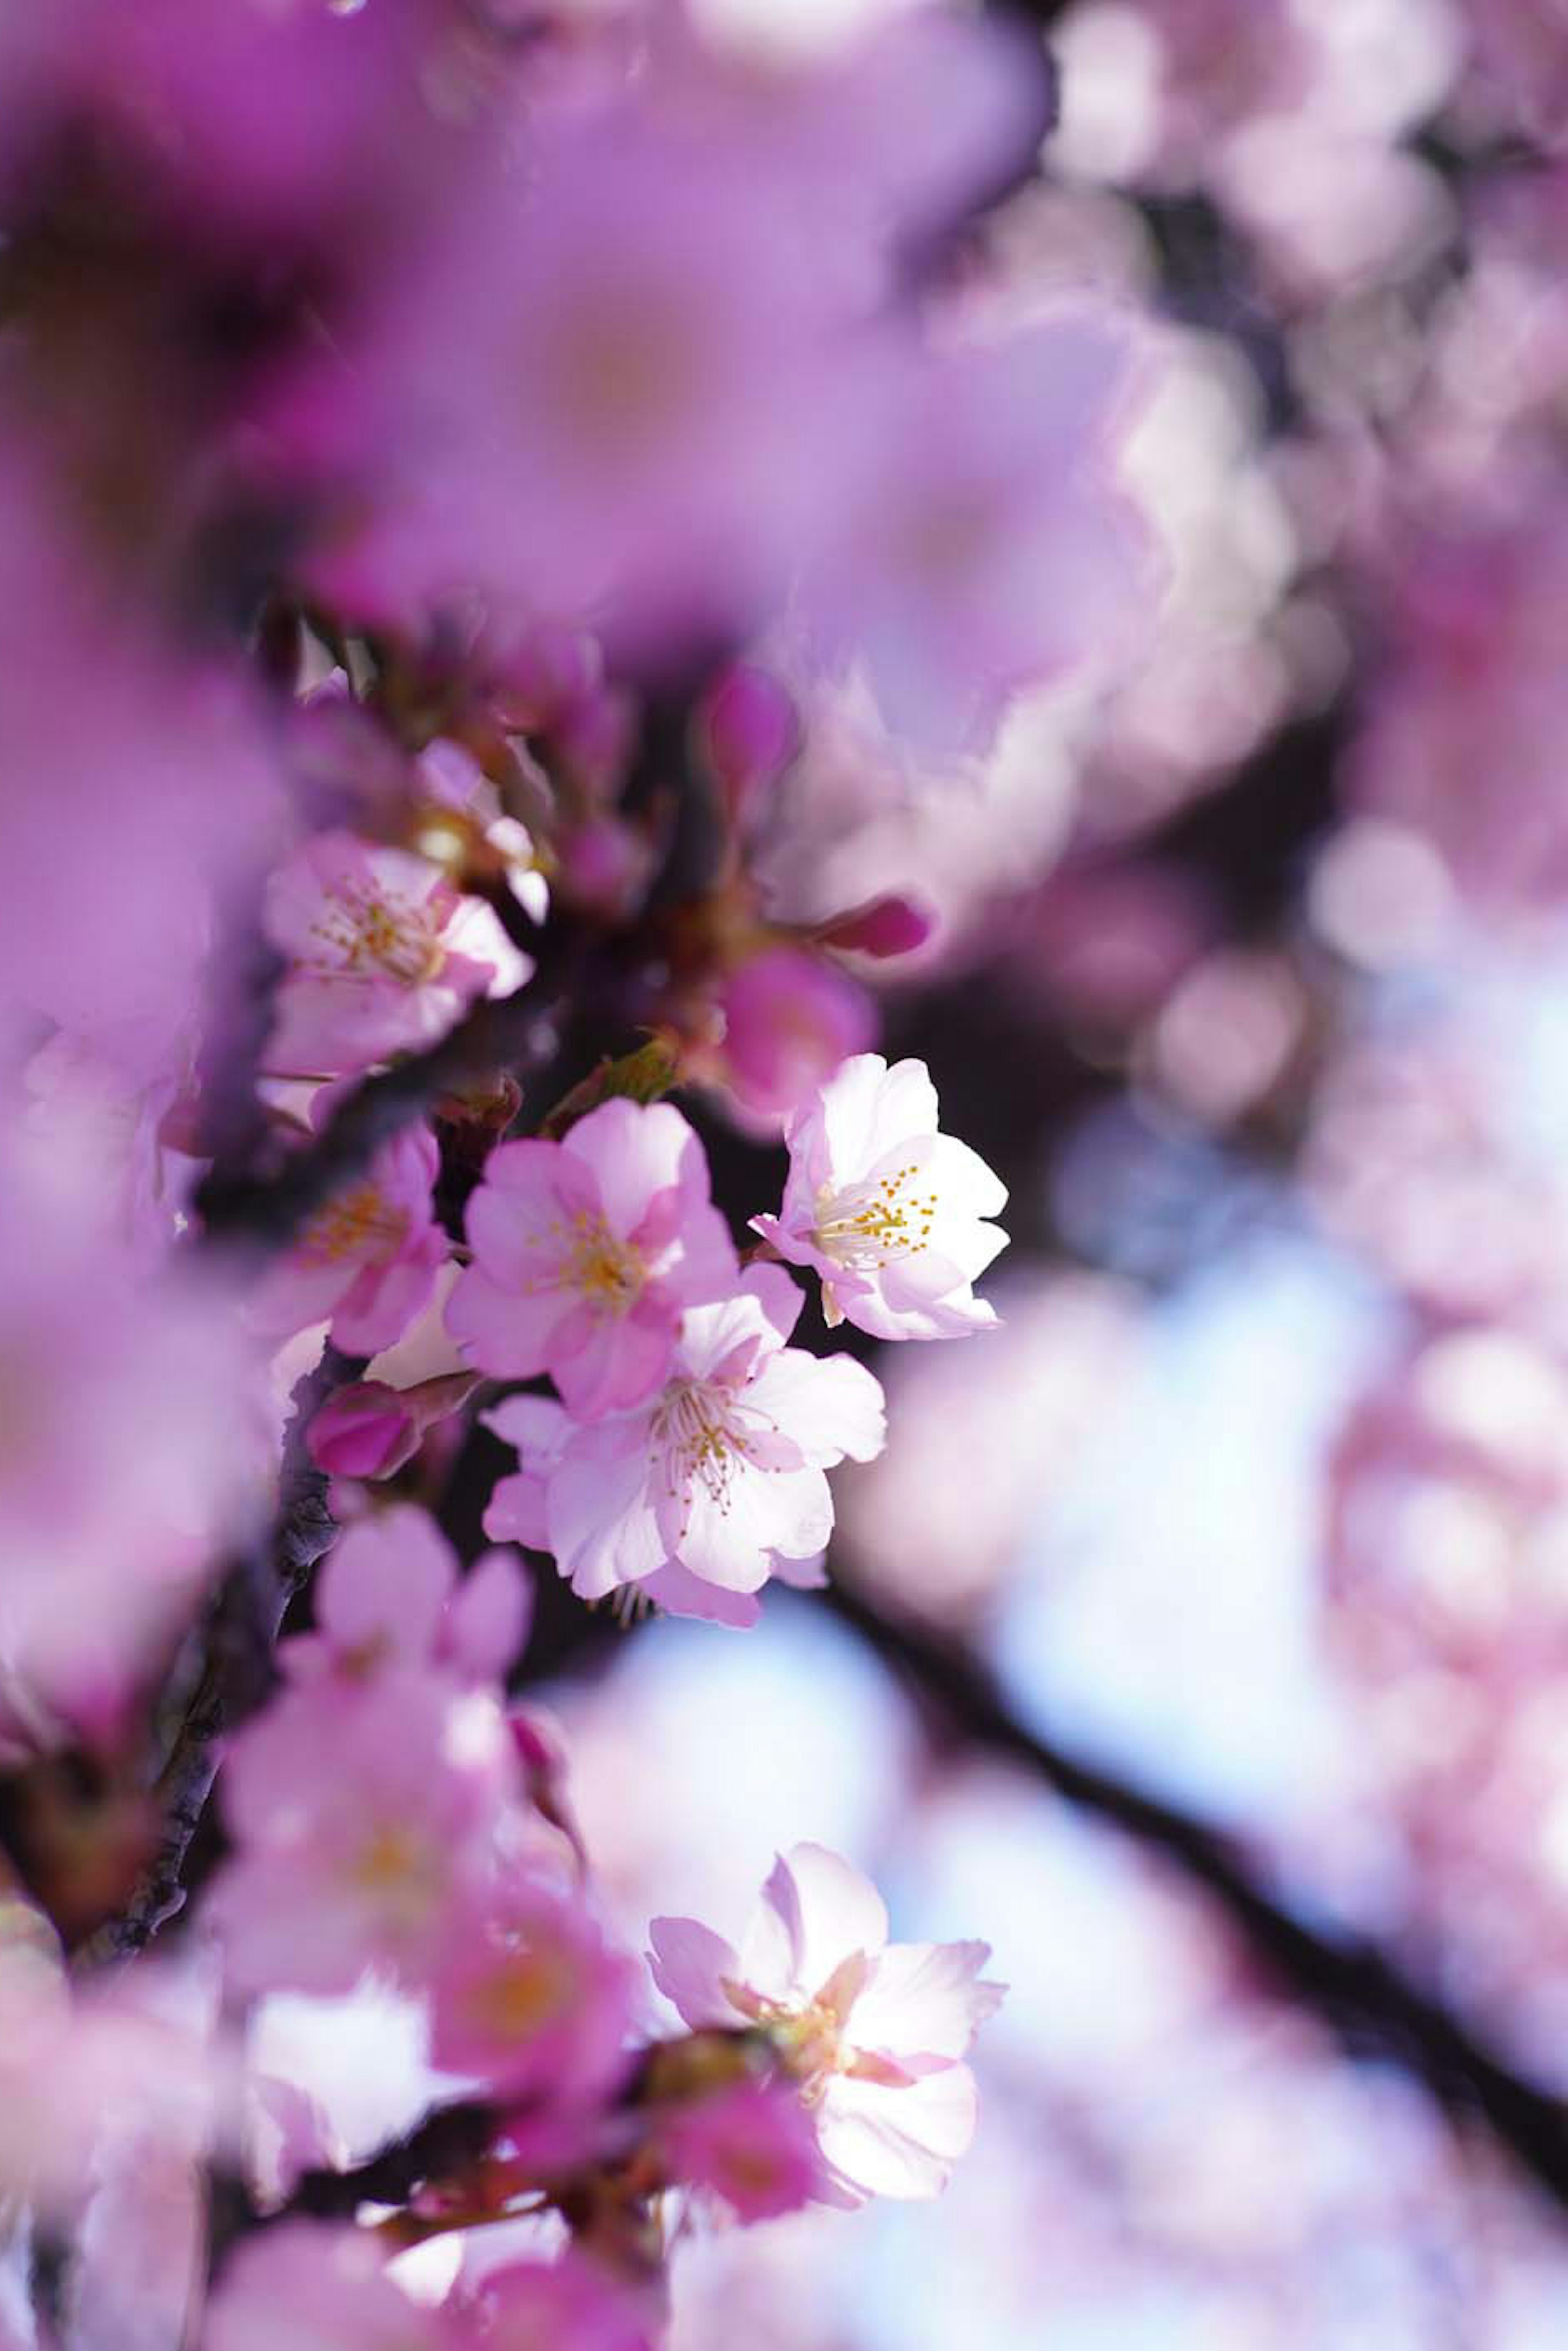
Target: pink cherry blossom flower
529,1997
390,1597
790,1019
651,374
754,2144
572,2305
586,1251
721,1475
133,1434
874,2033
317,2288
891,1212
985,545
77,2069
384,956
359,1816
368,1260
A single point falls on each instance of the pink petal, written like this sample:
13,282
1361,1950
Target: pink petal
898,2142
924,2000
828,1911
387,1584
488,1622
690,1964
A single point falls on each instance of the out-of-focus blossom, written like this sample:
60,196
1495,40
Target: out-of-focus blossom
1417,1156
753,2144
884,927
1462,734
529,1998
986,544
1448,1496
640,379
359,1815
1522,49
383,955
154,1386
320,2288
108,1117
789,1020
889,1211
982,1443
75,2070
1227,1035
874,2033
152,789
749,731
368,1260
1446,1542
572,2305
390,1597
721,1477
1150,91
586,1253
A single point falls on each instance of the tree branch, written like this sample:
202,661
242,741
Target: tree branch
238,1671
514,1034
1378,2013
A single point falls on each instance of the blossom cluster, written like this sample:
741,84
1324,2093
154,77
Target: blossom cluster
452,457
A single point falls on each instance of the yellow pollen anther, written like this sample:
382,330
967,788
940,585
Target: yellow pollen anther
358,1221
872,1224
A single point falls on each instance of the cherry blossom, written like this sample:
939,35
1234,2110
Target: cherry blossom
75,2069
389,1596
529,1998
587,1250
571,2303
754,2145
147,1379
873,2033
384,954
721,1475
321,2289
986,544
891,1212
790,1019
368,1260
359,1815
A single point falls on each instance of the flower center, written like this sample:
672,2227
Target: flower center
359,1222
608,1272
525,1990
371,929
875,1223
696,1428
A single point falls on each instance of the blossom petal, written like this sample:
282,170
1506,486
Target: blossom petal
690,1965
900,2141
827,1910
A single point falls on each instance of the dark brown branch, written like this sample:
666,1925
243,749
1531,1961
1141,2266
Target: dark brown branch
1376,2010
238,1671
268,1211
446,2141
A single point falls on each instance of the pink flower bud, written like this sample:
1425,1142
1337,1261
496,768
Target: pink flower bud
748,729
371,1430
790,1020
882,926
362,1431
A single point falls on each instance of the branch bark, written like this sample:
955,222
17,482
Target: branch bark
1376,2012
